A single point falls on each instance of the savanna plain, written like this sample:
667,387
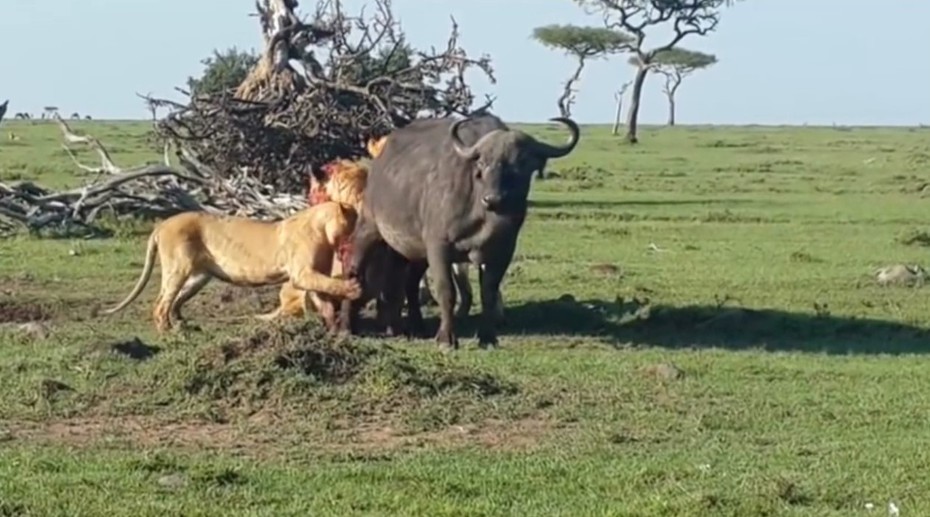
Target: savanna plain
692,327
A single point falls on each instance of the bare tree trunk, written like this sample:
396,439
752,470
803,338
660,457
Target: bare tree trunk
671,109
633,113
568,93
272,72
673,79
618,114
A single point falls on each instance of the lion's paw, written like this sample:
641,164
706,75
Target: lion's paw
353,290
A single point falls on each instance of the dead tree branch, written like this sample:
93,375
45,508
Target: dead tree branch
319,89
154,190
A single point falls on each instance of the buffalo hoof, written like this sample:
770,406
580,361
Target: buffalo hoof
487,339
416,328
447,339
395,330
411,334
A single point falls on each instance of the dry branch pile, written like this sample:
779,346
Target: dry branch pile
318,92
148,190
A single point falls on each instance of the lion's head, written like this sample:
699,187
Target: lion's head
345,182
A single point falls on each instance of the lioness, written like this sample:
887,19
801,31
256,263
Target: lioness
343,181
194,247
344,184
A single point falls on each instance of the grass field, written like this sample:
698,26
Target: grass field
692,329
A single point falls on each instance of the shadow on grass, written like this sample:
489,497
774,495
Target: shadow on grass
706,326
581,203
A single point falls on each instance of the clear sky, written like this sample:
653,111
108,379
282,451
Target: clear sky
781,61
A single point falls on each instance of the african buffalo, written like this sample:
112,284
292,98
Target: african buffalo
448,190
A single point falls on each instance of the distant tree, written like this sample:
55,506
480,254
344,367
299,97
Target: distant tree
3,108
676,64
582,43
222,71
618,96
634,17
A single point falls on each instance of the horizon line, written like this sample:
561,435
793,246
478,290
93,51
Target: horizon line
589,124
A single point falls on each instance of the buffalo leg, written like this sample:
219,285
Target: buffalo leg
499,300
463,286
440,267
490,277
364,238
391,299
415,271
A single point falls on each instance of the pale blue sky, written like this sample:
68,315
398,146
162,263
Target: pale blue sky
781,61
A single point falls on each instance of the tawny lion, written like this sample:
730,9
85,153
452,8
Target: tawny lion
344,184
194,247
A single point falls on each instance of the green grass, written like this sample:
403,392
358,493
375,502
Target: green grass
804,391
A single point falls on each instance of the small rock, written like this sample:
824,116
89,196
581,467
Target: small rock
34,330
664,371
893,510
606,269
173,481
901,274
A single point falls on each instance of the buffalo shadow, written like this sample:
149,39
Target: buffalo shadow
624,322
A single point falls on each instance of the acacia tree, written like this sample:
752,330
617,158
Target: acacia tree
222,71
582,43
635,17
675,65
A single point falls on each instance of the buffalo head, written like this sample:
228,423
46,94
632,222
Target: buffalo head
504,160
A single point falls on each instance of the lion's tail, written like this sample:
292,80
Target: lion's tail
143,278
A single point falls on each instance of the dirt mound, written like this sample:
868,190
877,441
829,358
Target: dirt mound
19,312
299,367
